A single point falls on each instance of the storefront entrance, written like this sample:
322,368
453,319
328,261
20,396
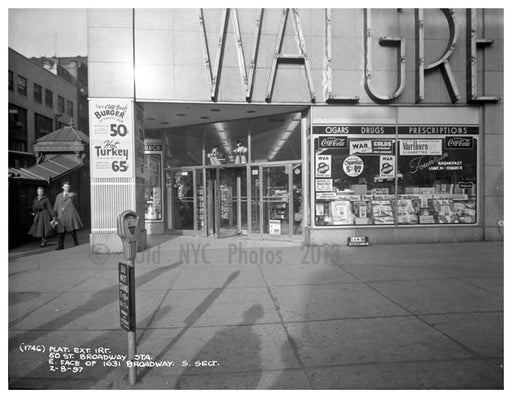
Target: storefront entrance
213,200
229,201
276,201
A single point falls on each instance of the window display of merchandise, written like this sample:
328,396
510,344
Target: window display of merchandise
154,204
277,199
429,182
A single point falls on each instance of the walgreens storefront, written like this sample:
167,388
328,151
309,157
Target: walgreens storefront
305,124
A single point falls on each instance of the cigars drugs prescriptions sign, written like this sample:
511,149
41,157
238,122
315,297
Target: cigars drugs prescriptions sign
111,137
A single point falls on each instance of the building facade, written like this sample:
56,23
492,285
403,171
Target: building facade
74,70
39,103
308,124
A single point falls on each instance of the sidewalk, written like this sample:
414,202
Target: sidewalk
266,315
33,247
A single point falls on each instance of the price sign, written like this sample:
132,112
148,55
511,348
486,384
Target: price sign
112,140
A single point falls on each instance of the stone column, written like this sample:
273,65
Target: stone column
115,127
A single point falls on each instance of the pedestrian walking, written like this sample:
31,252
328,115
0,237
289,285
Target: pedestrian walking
66,215
42,210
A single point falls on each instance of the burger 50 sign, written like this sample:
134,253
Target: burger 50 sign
111,138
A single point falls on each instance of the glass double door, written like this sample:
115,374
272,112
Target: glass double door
259,200
228,201
276,200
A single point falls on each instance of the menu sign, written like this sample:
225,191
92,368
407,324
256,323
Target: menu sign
111,137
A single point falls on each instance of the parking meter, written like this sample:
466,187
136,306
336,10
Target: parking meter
128,229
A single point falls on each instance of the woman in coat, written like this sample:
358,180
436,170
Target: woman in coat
66,215
42,210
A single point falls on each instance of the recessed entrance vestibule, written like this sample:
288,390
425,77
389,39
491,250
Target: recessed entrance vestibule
234,177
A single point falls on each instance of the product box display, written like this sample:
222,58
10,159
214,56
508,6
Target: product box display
361,209
445,211
406,212
466,211
382,212
341,212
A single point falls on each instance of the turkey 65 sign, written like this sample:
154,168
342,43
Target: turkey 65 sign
111,148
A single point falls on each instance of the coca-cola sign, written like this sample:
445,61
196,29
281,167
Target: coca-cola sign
459,142
332,142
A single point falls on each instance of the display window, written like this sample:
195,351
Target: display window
387,178
438,180
153,187
354,180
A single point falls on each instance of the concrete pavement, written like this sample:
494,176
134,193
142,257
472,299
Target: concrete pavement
264,315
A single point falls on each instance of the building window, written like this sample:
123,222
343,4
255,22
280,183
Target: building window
61,105
42,125
22,85
17,128
48,98
437,183
352,185
393,177
11,80
69,106
38,93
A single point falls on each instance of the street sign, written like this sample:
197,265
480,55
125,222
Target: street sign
127,297
358,241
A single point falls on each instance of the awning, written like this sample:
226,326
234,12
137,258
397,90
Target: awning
54,166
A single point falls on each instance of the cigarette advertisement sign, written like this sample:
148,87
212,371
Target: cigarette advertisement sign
353,166
421,147
323,166
111,137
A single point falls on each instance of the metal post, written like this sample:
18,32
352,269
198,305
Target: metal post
132,335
